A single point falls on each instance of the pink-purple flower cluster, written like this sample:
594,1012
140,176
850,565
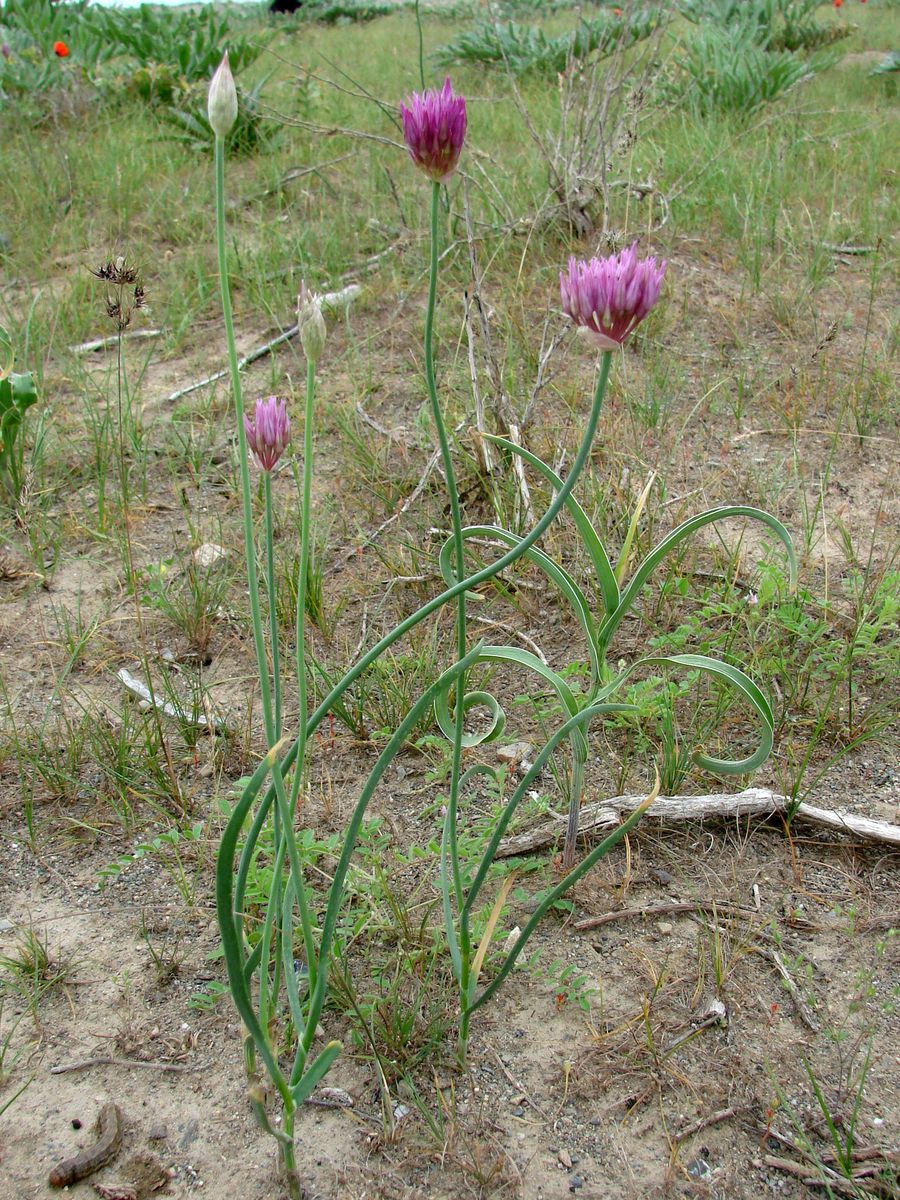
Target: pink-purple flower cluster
434,126
269,433
607,298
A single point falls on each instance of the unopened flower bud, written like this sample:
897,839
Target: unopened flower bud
222,105
311,324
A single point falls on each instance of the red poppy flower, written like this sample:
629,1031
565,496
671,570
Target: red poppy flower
837,3
60,49
617,12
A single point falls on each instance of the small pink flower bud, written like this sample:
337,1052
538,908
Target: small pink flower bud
222,104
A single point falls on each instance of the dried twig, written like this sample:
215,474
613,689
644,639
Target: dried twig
813,1178
518,1086
715,1118
85,1064
484,446
393,434
504,414
358,135
297,173
803,1009
331,300
668,910
432,465
110,343
513,632
140,689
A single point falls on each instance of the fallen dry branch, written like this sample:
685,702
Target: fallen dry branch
715,1118
823,1178
760,802
803,1010
85,1064
689,908
333,301
108,343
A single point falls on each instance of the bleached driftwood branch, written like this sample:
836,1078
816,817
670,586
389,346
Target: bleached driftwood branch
332,301
108,343
607,814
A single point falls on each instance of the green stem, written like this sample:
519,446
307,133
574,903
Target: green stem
456,521
421,46
249,544
576,787
306,535
288,1157
273,613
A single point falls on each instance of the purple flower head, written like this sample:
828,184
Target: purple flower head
268,435
434,126
607,298
5,50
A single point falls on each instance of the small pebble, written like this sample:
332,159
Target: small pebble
208,554
157,1132
575,1182
565,1159
515,752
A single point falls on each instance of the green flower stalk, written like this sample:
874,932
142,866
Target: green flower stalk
434,126
267,437
312,338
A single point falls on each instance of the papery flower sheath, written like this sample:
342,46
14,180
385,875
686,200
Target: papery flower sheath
434,126
269,433
311,323
607,298
222,101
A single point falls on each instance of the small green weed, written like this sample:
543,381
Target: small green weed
32,971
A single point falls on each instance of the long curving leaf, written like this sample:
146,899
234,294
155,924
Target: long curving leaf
336,891
229,920
606,577
610,623
471,700
575,724
561,888
738,680
554,572
303,1089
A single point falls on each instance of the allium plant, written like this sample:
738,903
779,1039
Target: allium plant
608,298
